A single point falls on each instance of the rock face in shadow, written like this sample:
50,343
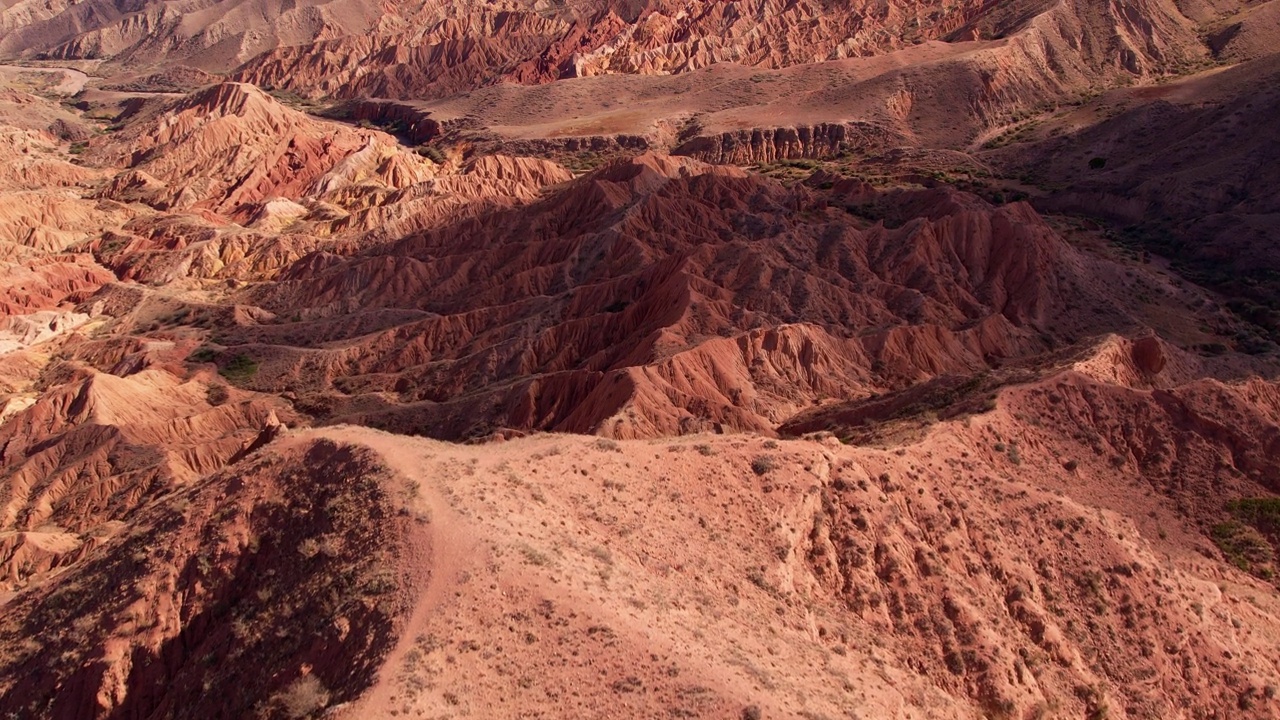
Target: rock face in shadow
1188,174
281,584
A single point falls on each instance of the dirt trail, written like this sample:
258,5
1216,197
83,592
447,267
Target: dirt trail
442,549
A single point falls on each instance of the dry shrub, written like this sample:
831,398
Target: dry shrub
304,697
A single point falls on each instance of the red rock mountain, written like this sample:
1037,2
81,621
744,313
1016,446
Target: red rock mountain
743,359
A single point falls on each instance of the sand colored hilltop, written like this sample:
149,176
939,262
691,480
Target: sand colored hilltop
556,575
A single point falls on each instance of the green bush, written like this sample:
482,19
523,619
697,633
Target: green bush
204,354
434,154
1244,547
240,369
1262,512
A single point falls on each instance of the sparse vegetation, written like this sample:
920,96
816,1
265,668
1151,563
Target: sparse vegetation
763,464
1247,540
217,394
304,697
495,302
239,370
1261,512
534,556
433,153
1245,548
203,354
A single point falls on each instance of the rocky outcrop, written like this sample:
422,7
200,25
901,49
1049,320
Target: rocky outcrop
23,331
759,146
606,145
1051,45
231,146
162,428
987,506
448,47
49,282
1148,355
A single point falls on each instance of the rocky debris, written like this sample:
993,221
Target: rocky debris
399,118
271,429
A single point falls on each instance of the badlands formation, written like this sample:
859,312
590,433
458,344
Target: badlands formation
640,358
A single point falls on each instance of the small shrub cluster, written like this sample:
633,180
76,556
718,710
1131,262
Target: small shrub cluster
240,369
1246,540
764,464
1015,455
434,154
217,394
304,697
1245,548
1262,513
204,354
